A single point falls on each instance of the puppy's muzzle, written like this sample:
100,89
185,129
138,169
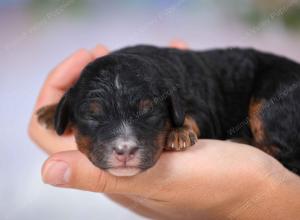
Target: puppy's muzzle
125,152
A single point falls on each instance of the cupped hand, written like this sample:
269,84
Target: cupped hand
211,180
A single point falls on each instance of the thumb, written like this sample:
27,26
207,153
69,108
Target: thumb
71,169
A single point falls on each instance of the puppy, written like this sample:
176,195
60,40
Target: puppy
129,106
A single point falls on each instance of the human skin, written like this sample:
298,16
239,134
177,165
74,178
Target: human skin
211,180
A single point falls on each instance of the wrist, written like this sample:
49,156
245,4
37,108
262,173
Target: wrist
276,195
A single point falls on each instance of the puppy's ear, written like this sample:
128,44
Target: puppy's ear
176,109
62,114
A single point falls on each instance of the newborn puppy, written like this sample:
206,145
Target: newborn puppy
129,106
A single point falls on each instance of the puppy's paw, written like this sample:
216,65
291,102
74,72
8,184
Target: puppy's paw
45,116
181,138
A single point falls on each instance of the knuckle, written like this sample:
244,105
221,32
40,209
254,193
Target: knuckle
104,183
83,51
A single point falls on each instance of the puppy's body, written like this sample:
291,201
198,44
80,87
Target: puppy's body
144,99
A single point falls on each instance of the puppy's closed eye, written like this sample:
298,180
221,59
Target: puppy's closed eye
151,119
145,106
90,111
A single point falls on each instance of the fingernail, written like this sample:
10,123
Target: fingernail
56,173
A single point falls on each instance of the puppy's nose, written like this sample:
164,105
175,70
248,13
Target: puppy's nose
125,152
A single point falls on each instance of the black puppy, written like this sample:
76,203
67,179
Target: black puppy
131,104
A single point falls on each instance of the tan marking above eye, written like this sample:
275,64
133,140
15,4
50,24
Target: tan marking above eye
95,108
145,105
83,142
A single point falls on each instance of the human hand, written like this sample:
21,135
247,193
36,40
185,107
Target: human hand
211,180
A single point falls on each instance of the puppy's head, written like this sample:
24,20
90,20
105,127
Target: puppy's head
121,110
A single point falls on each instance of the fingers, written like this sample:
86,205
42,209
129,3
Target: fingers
99,51
66,74
63,77
72,169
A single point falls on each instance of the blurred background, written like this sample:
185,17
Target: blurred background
35,35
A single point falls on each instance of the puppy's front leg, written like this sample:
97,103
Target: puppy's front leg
180,138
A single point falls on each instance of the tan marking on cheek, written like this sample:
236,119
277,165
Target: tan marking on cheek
162,137
83,142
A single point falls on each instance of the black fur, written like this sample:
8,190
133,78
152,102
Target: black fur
214,87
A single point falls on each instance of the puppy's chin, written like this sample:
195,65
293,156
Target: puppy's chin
124,171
